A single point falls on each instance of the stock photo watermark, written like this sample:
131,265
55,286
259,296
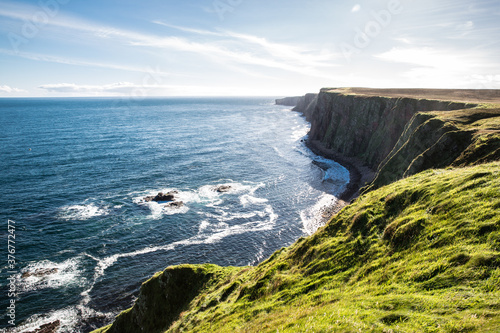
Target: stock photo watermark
364,36
11,272
47,9
221,7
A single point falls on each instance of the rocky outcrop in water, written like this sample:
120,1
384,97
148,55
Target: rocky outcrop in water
162,197
48,328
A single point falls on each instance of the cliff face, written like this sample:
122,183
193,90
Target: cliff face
364,127
289,101
304,104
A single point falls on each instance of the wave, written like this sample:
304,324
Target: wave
213,227
69,319
83,212
300,132
47,274
333,172
206,195
313,217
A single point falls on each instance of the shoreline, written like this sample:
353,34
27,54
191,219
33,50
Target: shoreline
359,175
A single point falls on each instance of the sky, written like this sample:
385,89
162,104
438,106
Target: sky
72,48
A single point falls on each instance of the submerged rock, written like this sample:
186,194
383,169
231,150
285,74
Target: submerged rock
41,272
223,188
176,204
48,328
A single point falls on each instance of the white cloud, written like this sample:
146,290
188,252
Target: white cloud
137,91
120,88
356,8
10,90
233,48
441,68
76,62
469,25
433,58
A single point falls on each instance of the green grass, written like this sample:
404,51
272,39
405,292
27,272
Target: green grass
437,139
419,255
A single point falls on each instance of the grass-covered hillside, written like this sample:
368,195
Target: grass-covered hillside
442,138
419,255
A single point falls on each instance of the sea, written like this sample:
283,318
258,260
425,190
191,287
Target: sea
77,235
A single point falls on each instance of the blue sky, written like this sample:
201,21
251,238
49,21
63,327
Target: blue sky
244,47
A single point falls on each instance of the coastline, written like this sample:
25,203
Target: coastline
359,175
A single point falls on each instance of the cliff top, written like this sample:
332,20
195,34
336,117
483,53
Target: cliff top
456,95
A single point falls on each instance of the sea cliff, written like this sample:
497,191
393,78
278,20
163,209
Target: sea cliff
417,251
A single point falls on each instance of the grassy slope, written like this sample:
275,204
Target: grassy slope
419,255
441,138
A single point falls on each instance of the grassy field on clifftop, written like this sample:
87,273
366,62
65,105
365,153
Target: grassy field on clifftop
419,255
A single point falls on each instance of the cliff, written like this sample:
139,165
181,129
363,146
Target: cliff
419,251
289,101
397,136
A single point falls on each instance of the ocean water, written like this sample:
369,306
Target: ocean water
75,172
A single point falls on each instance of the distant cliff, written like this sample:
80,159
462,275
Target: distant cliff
289,101
398,136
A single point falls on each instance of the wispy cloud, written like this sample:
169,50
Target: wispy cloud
134,91
120,88
234,48
356,8
442,67
77,62
10,90
292,53
434,58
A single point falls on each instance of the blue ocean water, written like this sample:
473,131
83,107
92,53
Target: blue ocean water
75,172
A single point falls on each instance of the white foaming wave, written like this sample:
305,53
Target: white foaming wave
206,195
222,230
299,132
68,317
158,210
312,218
203,226
337,175
83,212
67,273
226,216
332,171
247,200
258,256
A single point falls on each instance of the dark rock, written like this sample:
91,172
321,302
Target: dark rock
48,328
223,188
41,272
170,196
176,204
